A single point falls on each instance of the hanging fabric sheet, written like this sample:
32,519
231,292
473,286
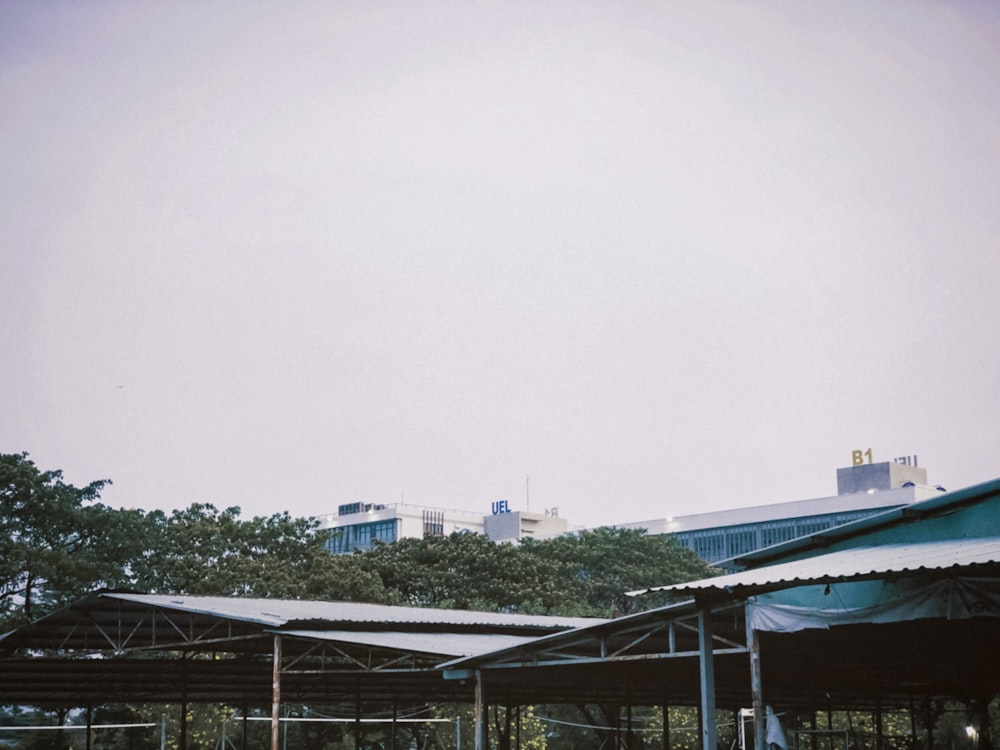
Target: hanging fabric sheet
874,602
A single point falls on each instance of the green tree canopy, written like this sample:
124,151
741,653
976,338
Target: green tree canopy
57,543
468,571
56,540
609,561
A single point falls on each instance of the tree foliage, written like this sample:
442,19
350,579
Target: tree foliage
55,539
607,562
58,543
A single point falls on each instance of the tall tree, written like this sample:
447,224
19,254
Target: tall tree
56,541
465,571
207,551
609,561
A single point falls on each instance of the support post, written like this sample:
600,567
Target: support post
756,689
666,726
709,733
357,720
182,740
482,726
276,694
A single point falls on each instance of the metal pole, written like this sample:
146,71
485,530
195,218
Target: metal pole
163,731
276,693
709,733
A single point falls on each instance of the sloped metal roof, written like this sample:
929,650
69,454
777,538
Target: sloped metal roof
953,555
939,505
278,612
122,646
434,644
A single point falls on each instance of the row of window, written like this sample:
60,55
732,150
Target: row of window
723,543
361,536
434,522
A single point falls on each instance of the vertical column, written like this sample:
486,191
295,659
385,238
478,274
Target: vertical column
182,740
709,733
482,726
276,693
357,720
756,688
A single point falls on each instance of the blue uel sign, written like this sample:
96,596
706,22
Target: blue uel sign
500,506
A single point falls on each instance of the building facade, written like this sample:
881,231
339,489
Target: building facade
357,526
862,491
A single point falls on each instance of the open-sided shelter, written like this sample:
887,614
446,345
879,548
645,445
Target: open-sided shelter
895,610
892,611
125,647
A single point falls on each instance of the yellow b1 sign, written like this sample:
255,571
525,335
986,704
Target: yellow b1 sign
858,457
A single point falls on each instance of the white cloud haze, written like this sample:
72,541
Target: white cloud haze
661,257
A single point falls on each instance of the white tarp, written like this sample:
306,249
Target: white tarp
839,604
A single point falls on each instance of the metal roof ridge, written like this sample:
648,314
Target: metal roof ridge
772,555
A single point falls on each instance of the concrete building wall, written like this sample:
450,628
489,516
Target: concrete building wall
887,475
514,525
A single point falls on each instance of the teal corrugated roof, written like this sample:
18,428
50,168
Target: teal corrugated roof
894,526
952,555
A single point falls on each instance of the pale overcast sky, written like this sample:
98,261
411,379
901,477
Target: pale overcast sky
661,257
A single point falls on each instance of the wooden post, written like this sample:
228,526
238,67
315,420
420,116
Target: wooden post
182,741
482,725
357,720
276,693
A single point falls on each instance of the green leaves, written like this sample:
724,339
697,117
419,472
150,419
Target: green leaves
51,540
57,543
573,575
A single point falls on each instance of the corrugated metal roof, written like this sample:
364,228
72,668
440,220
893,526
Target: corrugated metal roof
437,644
954,554
938,505
278,612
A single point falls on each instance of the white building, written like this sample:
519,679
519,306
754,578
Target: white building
358,525
862,491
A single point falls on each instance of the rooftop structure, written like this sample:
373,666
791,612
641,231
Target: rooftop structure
863,491
359,525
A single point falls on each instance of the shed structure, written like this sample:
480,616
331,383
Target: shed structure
895,610
891,611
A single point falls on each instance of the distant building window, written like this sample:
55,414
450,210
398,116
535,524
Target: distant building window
434,522
725,542
361,536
